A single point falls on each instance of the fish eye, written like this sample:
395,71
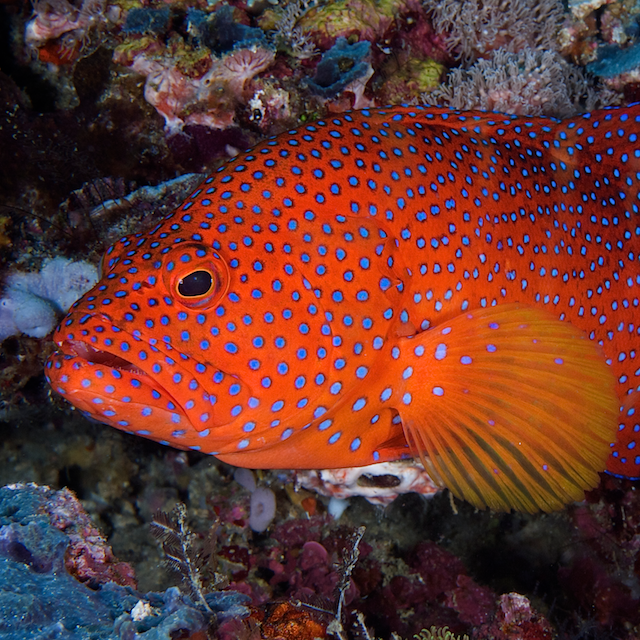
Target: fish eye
196,276
197,283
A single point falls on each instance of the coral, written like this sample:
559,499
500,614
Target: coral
284,620
88,558
208,99
474,28
602,575
516,619
613,60
68,24
379,483
365,20
220,33
34,302
409,77
442,633
147,20
530,82
37,539
340,66
582,8
286,32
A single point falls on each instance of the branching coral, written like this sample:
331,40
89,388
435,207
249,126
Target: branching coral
530,82
475,27
289,35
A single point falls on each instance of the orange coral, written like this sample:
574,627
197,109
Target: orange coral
284,621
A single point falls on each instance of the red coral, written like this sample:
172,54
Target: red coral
438,568
475,604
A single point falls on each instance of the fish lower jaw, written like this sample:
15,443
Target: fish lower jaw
96,356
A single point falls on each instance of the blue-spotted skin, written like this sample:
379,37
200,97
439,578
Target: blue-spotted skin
360,267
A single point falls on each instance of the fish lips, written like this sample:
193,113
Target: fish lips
108,388
85,351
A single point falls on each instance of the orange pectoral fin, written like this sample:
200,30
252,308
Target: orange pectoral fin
509,407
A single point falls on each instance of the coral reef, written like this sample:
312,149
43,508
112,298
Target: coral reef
50,553
99,97
510,60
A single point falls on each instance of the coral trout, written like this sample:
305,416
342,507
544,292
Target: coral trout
460,287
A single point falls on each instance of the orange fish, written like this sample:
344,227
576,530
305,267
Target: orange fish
459,286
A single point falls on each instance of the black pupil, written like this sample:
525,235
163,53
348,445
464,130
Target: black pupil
195,284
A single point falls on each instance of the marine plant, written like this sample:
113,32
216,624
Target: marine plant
529,82
439,633
184,555
474,28
287,33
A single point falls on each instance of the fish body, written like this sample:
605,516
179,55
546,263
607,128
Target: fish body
459,286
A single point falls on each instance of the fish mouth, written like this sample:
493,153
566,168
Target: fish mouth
113,390
96,356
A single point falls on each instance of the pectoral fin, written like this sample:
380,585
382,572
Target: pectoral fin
509,407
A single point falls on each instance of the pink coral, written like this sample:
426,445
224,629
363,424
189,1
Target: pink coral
88,558
55,18
240,66
207,100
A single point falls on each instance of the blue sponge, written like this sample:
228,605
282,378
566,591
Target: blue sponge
339,66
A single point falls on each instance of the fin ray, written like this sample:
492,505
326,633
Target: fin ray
518,412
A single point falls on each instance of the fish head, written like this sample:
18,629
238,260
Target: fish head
219,331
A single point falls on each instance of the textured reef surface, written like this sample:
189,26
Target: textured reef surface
111,112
